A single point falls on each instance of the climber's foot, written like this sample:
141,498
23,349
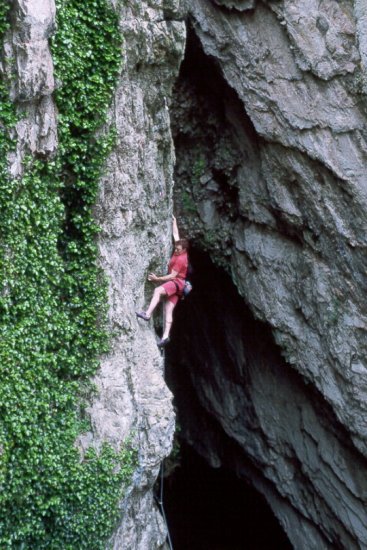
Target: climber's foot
163,342
142,315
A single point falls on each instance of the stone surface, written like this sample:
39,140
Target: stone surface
270,130
269,126
134,210
240,5
243,407
288,154
360,10
29,65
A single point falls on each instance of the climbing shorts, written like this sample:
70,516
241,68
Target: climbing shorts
171,291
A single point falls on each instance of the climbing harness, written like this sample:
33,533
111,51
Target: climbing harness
186,289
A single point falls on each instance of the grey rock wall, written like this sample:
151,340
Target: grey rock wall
134,210
296,158
271,179
360,11
269,128
241,406
28,63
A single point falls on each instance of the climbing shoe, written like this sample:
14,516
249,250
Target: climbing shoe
163,342
142,315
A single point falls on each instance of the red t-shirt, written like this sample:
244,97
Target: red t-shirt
179,264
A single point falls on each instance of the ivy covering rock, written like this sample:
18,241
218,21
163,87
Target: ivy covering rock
52,303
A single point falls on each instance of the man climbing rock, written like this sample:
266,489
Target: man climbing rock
173,285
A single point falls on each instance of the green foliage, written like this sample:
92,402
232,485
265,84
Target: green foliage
210,239
7,114
189,199
52,303
198,169
188,203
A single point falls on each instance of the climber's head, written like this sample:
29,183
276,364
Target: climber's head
181,246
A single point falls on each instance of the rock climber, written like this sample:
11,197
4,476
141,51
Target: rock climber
173,284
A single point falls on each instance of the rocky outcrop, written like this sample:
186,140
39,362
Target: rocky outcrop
360,11
240,5
29,66
269,119
293,160
134,211
242,407
269,123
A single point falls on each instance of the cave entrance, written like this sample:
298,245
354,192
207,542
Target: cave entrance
210,499
211,509
216,341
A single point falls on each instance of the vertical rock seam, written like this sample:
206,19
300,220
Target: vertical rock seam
360,10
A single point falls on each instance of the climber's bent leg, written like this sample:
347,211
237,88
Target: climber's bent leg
157,294
169,306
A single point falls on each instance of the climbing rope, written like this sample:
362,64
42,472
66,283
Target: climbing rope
160,499
161,505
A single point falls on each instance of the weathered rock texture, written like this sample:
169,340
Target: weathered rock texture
28,63
270,127
243,407
269,124
134,210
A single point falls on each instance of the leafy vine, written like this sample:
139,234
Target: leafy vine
52,302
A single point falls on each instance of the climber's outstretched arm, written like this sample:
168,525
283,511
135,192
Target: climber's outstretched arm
175,233
152,277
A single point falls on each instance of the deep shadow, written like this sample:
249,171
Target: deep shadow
211,509
215,332
214,322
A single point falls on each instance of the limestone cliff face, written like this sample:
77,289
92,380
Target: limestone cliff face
28,62
134,211
269,119
269,125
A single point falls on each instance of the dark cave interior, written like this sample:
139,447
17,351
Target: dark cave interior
210,499
217,345
211,507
